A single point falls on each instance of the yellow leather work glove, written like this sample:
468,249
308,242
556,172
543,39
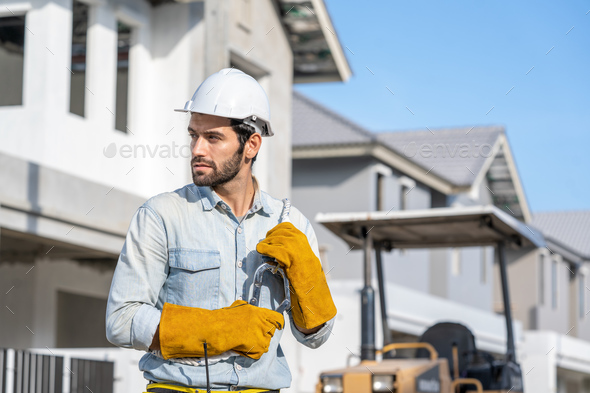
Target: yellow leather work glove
310,296
241,327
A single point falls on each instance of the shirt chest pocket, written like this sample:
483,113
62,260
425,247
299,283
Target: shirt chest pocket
193,279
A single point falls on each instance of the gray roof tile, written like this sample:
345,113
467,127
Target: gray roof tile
572,228
314,124
456,154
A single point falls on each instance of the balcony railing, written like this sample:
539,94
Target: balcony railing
28,371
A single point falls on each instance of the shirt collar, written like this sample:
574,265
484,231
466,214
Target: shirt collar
260,202
210,199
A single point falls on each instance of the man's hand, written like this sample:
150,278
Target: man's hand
310,296
241,327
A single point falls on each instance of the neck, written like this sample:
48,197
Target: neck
238,193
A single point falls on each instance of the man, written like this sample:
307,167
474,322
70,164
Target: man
185,274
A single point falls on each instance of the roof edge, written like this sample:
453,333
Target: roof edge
565,250
384,154
526,212
332,38
500,128
333,114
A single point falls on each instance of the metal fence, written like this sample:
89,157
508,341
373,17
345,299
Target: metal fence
23,371
94,375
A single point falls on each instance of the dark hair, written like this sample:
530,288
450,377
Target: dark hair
244,132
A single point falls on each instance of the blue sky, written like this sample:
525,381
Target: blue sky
451,62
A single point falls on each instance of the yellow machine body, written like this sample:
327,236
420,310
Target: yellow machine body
413,375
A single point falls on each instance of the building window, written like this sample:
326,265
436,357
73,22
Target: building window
404,197
437,199
80,321
406,186
124,32
78,64
379,191
541,268
456,261
554,288
12,51
582,295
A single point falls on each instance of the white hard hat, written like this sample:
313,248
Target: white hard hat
233,94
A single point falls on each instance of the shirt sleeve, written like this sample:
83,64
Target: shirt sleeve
314,340
318,338
132,316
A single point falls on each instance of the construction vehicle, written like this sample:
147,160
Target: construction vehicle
446,359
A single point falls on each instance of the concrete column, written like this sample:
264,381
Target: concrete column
47,54
139,99
273,165
263,167
46,74
139,72
216,35
438,272
44,306
101,66
538,361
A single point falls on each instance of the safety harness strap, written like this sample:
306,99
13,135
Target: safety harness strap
167,388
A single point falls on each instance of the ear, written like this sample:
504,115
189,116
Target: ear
252,145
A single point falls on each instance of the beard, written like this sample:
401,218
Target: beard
229,170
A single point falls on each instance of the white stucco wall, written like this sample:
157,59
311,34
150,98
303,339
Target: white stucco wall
32,296
167,63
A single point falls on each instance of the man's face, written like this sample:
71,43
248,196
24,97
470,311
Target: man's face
215,150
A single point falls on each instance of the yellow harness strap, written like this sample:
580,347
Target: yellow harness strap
195,390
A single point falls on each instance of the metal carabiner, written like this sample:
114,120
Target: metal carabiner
258,277
274,268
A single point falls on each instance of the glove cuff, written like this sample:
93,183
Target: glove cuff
314,308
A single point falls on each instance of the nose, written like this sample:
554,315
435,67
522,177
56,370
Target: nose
199,147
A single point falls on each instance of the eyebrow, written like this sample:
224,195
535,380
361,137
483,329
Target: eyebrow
208,132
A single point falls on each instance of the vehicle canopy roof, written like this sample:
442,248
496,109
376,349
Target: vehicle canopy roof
429,228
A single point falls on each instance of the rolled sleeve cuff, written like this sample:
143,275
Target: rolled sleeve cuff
144,325
316,339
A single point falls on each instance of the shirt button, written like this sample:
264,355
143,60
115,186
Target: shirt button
239,229
224,206
240,298
239,263
238,367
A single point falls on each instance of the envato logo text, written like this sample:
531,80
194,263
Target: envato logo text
147,151
444,150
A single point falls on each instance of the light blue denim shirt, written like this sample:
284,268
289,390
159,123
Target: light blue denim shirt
187,247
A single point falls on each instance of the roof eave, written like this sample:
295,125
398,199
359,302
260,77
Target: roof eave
331,36
502,143
566,251
383,154
317,52
488,223
318,78
524,205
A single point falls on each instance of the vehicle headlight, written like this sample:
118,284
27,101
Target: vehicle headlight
383,383
332,384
